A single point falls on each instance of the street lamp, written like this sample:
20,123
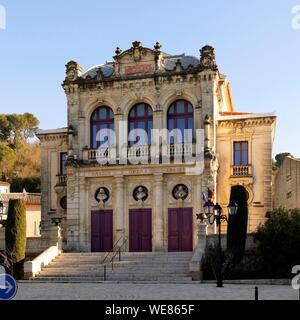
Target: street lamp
214,213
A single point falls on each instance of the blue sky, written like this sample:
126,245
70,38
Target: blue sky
256,47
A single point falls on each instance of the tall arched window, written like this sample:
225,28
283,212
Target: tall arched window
140,117
102,119
181,117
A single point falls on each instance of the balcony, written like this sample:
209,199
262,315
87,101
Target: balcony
180,149
61,180
100,154
138,152
241,171
141,154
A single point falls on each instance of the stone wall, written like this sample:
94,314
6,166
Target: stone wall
213,240
287,184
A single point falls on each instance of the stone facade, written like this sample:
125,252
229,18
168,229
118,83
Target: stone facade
143,75
287,184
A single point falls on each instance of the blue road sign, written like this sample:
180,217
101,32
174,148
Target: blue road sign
10,289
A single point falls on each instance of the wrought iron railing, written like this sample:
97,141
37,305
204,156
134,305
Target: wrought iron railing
108,260
62,180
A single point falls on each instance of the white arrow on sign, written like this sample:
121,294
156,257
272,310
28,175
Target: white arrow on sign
9,287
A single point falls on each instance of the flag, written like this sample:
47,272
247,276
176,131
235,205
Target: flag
203,197
210,195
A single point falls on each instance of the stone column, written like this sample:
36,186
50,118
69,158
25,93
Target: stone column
118,206
158,229
82,214
198,116
197,208
156,138
118,119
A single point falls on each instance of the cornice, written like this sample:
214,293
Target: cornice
246,122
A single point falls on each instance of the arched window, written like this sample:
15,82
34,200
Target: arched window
102,119
140,117
181,117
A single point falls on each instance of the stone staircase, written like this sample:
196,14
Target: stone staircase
162,267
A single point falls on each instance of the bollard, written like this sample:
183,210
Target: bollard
104,276
256,293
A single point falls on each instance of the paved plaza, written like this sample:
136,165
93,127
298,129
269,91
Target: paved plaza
135,291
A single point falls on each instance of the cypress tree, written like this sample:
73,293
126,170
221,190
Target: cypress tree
15,231
237,224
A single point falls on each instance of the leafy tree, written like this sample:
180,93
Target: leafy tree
15,233
7,161
4,128
279,242
18,157
28,160
15,128
30,184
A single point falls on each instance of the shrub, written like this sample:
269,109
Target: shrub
15,233
279,242
210,263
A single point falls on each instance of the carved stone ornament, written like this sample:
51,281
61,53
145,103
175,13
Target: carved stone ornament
208,58
140,193
102,195
180,192
72,70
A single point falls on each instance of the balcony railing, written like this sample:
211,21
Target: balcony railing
101,154
142,151
180,149
240,171
62,180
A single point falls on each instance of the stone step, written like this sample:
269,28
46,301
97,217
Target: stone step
113,272
122,262
134,266
124,267
100,280
134,254
122,277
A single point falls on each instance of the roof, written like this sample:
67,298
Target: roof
4,183
107,69
30,198
233,113
52,131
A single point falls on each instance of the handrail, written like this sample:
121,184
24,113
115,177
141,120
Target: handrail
113,257
112,250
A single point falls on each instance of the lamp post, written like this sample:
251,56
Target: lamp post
2,210
213,212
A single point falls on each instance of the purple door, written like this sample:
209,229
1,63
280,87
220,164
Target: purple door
102,230
180,229
140,230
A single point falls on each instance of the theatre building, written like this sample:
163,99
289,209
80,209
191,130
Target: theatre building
107,181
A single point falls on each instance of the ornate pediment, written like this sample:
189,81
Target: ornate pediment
137,59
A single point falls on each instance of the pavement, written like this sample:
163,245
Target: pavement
33,290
